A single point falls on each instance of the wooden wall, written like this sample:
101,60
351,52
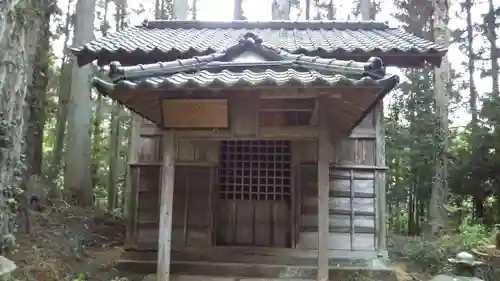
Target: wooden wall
352,205
194,178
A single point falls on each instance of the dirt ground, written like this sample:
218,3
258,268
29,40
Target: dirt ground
71,243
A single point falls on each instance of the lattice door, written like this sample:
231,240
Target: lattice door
254,193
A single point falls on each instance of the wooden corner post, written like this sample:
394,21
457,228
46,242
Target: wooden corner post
130,205
324,155
166,202
380,181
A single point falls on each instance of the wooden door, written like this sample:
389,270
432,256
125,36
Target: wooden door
254,194
191,220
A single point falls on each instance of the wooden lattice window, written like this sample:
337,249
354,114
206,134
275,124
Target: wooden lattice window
255,170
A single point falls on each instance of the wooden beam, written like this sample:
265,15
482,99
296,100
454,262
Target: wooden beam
292,132
166,202
297,94
324,155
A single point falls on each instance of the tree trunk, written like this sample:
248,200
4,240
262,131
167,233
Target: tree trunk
180,9
194,10
494,52
17,38
280,10
437,213
96,139
238,10
157,9
114,157
308,9
98,113
62,115
331,10
478,199
37,94
78,180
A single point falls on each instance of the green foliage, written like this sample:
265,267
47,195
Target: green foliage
433,255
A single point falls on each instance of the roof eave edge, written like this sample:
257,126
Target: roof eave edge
388,84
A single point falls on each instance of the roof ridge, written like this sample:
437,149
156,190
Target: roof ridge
242,24
373,68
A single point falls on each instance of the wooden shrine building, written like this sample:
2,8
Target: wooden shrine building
261,144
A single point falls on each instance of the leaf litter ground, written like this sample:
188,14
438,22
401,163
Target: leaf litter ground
69,242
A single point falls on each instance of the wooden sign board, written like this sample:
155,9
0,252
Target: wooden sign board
195,114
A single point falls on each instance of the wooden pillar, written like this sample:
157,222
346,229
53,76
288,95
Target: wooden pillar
166,202
130,205
324,155
380,180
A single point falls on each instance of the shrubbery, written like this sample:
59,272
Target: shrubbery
432,255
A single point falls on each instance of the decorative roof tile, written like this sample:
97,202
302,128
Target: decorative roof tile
169,40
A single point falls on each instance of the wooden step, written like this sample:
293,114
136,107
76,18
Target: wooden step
246,270
257,271
224,269
219,256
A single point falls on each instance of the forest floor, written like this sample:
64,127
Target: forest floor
73,243
67,242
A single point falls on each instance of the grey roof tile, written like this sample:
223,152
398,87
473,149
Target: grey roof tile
175,39
218,70
245,78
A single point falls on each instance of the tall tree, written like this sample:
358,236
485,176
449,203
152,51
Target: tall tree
78,179
115,126
194,10
474,124
280,9
358,10
17,37
63,90
238,10
164,8
100,106
38,90
308,9
180,9
411,121
442,36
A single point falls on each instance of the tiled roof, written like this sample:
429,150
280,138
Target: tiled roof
170,40
219,71
246,78
266,67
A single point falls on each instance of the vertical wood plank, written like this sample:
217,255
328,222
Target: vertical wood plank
211,191
166,202
130,198
324,153
351,206
244,115
186,207
380,179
